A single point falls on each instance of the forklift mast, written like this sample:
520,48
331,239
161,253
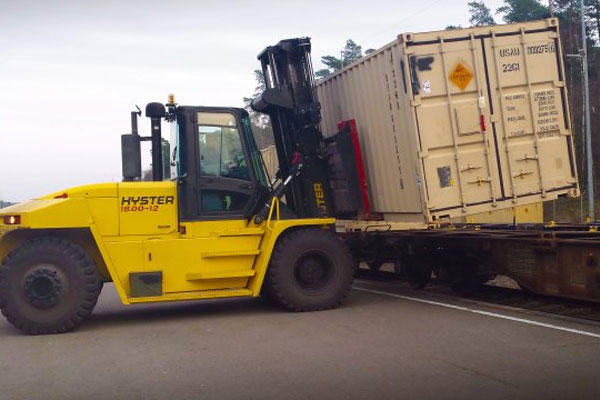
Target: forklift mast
290,101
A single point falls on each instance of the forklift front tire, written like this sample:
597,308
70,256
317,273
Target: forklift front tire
48,285
310,269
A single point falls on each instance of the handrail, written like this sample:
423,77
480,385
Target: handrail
274,204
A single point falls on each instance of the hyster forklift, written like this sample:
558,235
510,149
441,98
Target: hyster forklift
216,228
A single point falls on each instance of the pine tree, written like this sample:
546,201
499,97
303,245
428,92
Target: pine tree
350,53
481,15
592,11
261,124
523,10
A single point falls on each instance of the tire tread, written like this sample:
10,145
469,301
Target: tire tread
91,280
272,281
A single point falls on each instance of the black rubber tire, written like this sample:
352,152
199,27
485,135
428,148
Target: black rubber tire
75,274
285,287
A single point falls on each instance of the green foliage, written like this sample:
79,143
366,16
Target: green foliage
523,10
592,13
5,204
481,15
261,124
452,27
332,62
260,86
349,54
322,73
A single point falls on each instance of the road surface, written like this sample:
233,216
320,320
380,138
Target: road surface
385,342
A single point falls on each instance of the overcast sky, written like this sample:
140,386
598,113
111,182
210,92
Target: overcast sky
70,71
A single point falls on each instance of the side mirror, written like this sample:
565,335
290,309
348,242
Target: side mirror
131,157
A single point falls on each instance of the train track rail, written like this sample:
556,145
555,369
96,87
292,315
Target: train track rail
497,295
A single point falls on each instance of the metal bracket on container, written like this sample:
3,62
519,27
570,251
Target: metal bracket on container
522,174
469,167
479,181
528,158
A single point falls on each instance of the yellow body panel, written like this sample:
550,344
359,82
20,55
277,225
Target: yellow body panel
148,208
135,228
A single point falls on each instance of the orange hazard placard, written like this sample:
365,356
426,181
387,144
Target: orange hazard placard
461,76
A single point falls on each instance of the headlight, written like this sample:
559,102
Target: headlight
12,219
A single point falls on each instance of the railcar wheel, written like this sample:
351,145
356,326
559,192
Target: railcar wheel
399,268
48,285
418,276
310,269
466,277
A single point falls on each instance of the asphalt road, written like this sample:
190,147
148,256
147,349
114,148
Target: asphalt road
374,347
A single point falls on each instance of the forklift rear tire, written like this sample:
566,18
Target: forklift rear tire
48,285
310,269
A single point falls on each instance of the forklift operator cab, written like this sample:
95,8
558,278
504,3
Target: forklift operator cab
218,164
220,186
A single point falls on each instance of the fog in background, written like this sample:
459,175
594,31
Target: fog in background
70,71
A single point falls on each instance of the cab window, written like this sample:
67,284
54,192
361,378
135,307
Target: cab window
221,152
222,157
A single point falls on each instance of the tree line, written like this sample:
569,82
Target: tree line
5,204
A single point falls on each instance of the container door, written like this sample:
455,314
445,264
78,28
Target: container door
530,116
457,150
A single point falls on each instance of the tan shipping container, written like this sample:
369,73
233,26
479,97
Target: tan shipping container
526,214
455,123
269,156
530,213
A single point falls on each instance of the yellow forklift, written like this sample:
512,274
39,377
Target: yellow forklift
215,229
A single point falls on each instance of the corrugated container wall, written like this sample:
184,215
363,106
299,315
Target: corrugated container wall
269,156
459,122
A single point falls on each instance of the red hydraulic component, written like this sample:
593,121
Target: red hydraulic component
359,163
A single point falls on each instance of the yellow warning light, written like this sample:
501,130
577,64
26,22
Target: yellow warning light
171,98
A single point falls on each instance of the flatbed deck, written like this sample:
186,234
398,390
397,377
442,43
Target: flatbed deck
552,259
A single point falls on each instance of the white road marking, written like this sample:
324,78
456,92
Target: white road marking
481,312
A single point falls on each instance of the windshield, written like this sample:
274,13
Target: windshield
221,152
255,155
